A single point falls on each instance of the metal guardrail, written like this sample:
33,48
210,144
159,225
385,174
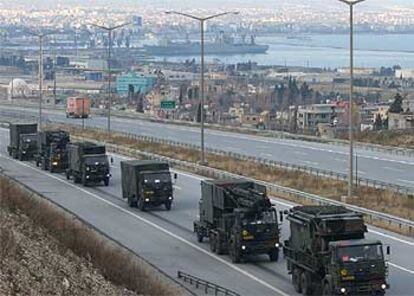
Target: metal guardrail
275,163
275,189
266,133
207,286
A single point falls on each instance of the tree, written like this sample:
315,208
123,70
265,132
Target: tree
378,125
396,106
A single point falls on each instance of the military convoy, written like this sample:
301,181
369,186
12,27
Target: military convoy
327,253
147,183
238,219
88,163
52,150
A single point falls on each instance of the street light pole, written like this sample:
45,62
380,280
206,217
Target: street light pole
351,4
40,36
109,30
202,21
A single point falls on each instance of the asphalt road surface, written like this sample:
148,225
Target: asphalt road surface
165,238
373,165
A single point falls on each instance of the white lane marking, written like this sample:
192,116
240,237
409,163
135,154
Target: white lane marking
406,181
393,169
311,162
400,268
266,154
177,187
340,159
300,153
410,243
156,226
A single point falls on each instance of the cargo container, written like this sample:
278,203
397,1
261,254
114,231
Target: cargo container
78,107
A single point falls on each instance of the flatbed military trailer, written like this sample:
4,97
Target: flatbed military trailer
88,163
327,253
147,183
52,150
16,130
238,219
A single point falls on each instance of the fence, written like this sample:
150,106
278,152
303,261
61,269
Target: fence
267,133
275,163
208,286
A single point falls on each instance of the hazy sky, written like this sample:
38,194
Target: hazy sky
184,4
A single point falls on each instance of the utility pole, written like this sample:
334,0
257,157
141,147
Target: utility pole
351,4
109,30
202,20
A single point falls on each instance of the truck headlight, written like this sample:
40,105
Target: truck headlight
383,286
55,163
88,168
147,200
245,233
277,245
343,290
87,177
243,247
170,198
24,152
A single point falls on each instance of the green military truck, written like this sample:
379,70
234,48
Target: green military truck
52,150
327,253
88,163
28,147
147,183
238,218
17,130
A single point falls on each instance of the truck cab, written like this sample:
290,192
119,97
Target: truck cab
356,267
95,169
147,183
27,146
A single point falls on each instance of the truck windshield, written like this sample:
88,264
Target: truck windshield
359,253
96,160
157,178
266,217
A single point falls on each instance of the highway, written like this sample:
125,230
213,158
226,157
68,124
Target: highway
165,238
374,165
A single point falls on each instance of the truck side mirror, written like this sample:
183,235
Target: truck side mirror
388,250
285,212
175,176
112,160
281,216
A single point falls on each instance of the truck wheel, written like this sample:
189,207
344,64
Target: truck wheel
306,283
274,255
9,151
37,162
106,181
14,154
199,236
131,202
20,156
76,179
67,175
168,205
84,181
327,291
141,204
234,253
212,241
296,278
44,167
219,249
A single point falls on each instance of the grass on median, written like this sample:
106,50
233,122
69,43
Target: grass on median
376,199
116,264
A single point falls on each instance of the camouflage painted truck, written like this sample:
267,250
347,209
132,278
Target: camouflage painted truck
238,219
88,163
327,253
147,183
52,150
20,141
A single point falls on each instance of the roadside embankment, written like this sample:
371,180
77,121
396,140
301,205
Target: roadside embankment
45,250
